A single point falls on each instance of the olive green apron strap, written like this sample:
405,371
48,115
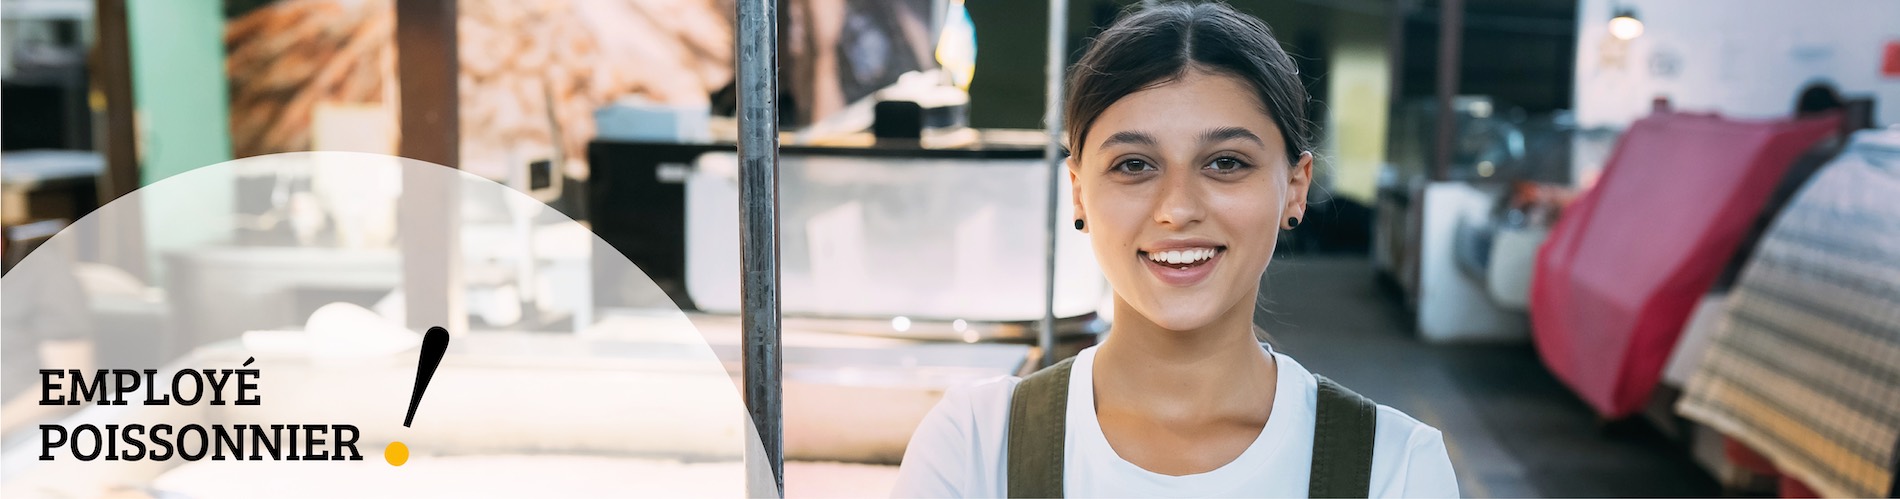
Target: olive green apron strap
1345,424
1038,417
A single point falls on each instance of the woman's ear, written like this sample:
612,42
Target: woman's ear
1298,182
1075,192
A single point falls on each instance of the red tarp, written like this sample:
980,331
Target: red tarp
1628,261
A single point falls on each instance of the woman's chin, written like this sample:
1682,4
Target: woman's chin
1182,315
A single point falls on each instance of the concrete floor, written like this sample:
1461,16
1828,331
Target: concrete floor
1512,429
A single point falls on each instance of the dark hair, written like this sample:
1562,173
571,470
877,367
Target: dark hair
1158,44
1817,97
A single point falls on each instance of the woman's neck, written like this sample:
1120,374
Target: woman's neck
1218,368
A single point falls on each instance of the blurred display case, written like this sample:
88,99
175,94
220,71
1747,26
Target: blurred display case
942,244
1460,242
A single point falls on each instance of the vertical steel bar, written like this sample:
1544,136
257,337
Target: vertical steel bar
1451,31
1052,152
757,69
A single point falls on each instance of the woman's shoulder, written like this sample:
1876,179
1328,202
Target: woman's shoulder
1409,457
957,450
1400,431
979,400
969,414
1392,423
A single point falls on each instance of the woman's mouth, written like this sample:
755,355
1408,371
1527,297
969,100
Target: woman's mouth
1182,267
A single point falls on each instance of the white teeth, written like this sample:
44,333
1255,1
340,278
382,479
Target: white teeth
1179,257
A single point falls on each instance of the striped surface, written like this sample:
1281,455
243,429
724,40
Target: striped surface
1804,365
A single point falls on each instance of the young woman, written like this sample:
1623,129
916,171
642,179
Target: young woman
1189,150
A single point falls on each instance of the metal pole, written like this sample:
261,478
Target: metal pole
757,68
1451,31
1052,152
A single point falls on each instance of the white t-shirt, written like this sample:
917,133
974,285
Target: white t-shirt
959,449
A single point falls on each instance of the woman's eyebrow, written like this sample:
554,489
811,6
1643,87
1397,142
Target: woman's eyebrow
1222,134
1130,137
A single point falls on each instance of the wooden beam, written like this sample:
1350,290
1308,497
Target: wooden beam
111,75
426,65
112,79
428,211
1451,31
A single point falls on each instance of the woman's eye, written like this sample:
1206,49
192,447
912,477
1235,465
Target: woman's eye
1226,164
1133,166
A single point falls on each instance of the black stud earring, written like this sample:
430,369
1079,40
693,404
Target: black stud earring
1292,222
1078,224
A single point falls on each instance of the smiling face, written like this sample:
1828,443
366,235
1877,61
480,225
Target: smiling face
1184,187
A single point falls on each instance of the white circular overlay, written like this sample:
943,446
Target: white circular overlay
568,374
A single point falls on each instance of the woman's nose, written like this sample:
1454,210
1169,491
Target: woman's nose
1179,202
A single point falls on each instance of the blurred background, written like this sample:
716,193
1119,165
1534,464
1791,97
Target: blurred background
1609,247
